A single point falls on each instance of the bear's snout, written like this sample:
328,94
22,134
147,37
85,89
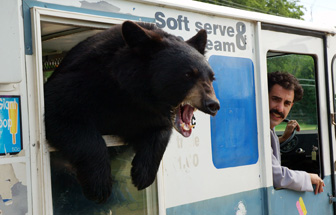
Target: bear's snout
212,106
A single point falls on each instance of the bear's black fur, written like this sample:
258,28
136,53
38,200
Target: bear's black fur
134,81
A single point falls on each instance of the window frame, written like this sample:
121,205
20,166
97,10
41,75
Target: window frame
40,152
317,99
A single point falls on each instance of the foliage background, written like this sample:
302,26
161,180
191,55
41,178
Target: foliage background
286,8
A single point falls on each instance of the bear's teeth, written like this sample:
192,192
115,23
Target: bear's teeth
187,127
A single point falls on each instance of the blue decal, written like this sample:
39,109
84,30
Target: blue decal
234,129
10,124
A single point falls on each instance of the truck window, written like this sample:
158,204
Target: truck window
67,195
303,151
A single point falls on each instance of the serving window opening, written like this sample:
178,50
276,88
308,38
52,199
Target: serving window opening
302,151
67,197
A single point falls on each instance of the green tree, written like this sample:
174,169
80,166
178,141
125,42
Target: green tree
286,8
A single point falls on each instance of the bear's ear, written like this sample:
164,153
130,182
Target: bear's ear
134,35
199,41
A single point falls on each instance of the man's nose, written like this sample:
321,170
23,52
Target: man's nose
280,107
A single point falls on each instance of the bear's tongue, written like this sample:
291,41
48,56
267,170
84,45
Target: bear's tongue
187,113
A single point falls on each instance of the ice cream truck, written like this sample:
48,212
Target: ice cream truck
225,166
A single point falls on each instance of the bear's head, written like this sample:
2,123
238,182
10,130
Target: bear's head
180,76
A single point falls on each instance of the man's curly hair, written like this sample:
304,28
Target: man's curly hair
287,81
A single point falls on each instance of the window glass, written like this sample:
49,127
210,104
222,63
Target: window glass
125,198
302,152
303,68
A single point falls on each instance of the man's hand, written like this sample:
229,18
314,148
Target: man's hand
315,179
291,125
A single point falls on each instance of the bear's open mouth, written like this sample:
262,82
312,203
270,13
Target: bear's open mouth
184,119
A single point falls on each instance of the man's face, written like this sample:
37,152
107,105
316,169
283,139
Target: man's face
280,103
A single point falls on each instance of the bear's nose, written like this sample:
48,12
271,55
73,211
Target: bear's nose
212,106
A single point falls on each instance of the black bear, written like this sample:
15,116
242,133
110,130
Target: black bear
134,81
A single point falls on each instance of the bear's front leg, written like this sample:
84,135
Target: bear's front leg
148,155
86,150
94,171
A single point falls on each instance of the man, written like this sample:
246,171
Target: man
284,89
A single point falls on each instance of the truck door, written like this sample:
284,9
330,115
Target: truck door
302,53
332,62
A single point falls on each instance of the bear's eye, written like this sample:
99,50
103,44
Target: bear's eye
191,73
